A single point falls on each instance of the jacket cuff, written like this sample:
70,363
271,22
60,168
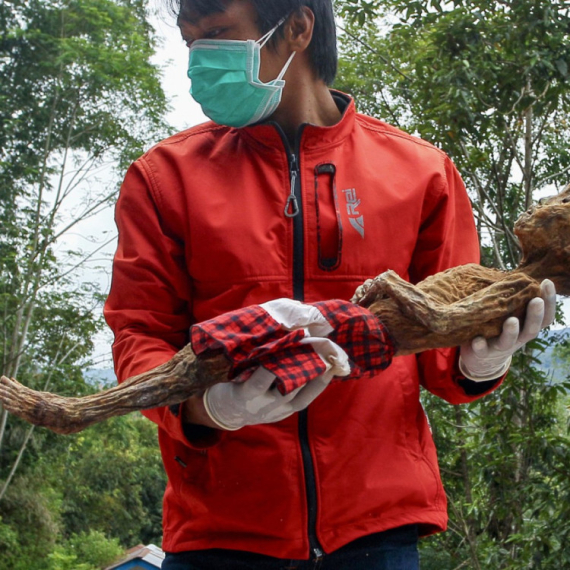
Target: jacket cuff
478,387
494,376
473,388
194,436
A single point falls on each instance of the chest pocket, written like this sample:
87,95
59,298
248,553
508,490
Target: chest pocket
329,224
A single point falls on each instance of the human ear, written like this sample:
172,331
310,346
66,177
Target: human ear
299,29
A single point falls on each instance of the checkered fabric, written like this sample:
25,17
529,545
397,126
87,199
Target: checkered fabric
250,337
362,336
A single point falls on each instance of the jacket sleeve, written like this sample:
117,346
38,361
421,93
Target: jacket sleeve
149,305
447,238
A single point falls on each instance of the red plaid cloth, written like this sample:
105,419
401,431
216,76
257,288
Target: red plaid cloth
250,338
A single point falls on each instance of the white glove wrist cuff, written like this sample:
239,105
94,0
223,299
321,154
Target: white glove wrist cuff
492,376
211,415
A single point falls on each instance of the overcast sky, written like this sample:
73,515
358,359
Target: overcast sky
172,56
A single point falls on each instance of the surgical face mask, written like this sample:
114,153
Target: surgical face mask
225,80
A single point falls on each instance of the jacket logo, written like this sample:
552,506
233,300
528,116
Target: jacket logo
352,203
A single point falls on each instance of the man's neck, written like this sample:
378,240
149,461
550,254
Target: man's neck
306,102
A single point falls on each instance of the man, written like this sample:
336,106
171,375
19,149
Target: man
289,193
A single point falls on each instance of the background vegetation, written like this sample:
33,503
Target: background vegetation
486,81
79,100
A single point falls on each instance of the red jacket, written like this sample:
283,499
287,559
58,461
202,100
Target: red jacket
202,231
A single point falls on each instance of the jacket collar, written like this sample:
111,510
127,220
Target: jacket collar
268,135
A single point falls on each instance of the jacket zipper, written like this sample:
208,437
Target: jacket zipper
295,201
315,548
294,210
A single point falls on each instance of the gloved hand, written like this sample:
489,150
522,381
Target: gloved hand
482,359
257,401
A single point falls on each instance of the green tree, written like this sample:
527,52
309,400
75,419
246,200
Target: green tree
487,82
78,93
85,551
79,100
113,480
84,499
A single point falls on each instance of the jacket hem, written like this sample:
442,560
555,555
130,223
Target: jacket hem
429,522
277,548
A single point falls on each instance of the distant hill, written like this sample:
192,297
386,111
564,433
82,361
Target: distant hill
100,377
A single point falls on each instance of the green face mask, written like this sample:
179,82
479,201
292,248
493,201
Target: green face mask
225,80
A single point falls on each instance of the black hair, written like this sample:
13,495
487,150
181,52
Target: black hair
322,49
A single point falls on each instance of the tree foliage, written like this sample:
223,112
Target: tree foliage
487,82
79,100
84,499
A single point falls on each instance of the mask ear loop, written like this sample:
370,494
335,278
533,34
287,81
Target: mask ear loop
265,38
286,66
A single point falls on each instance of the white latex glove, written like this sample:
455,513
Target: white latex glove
482,359
257,401
295,315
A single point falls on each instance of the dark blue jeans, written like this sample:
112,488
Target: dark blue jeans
395,549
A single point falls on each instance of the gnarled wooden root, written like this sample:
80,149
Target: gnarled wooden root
447,309
444,310
166,385
417,304
416,317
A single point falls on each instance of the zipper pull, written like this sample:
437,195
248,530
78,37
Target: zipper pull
292,206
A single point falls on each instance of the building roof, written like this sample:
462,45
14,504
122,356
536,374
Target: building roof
140,557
